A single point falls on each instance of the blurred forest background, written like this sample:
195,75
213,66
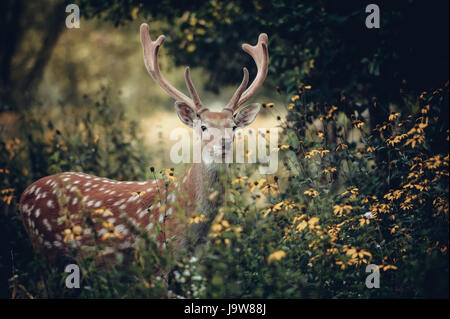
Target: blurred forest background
376,100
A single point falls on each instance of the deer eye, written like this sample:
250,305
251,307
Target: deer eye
203,128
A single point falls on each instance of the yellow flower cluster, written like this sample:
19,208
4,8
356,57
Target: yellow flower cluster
340,210
220,227
312,153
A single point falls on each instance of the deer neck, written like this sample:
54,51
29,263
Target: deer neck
205,187
206,191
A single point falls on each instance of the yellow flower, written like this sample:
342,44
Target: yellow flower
354,191
394,229
270,187
341,264
416,139
311,192
110,231
239,180
291,106
103,211
302,225
72,233
370,149
225,223
387,267
364,221
281,147
68,234
339,210
274,208
330,111
358,124
76,230
313,223
216,228
257,184
295,98
393,116
197,219
276,255
289,204
341,146
329,170
312,153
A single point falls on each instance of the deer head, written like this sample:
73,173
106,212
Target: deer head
218,127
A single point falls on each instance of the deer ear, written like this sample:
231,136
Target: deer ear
246,115
186,114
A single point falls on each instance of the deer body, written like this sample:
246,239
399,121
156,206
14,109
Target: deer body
54,204
55,209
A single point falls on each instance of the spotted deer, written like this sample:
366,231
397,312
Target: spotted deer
54,207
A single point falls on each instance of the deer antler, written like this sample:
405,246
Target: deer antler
260,55
151,49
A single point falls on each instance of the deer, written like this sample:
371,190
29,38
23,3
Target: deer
52,208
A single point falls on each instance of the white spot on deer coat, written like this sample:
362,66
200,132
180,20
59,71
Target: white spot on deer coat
47,224
132,199
119,202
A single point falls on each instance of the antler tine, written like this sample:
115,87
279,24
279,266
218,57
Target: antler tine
151,49
198,103
232,105
260,55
